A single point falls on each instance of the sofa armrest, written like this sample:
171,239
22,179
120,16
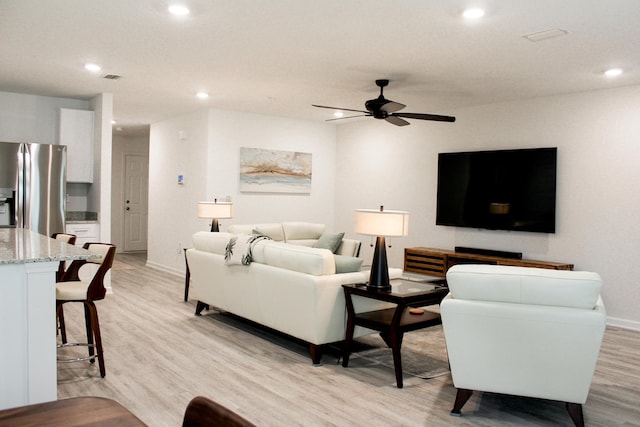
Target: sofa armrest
349,247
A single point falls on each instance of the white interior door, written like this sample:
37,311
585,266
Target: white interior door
135,202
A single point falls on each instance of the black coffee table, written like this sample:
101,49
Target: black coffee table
393,322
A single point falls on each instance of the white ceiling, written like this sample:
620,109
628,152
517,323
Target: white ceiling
278,57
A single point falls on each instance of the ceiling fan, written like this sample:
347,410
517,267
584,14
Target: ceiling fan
382,108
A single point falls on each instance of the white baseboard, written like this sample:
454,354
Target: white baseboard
623,323
164,268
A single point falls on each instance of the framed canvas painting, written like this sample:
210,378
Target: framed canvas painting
274,171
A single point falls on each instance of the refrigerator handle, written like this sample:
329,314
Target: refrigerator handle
22,186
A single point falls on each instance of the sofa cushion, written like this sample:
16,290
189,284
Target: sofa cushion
329,241
272,230
347,264
524,285
302,233
314,261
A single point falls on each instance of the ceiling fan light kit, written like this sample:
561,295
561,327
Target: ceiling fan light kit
385,109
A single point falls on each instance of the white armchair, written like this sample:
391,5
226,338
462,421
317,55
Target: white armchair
523,331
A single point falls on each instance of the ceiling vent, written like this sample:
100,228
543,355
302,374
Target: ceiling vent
545,35
111,77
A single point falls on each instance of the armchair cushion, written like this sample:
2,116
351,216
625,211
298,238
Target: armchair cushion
523,285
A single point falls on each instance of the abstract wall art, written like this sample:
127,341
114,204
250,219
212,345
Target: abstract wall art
274,171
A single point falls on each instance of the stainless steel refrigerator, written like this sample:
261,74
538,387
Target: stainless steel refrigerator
33,186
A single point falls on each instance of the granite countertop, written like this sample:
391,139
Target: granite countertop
81,217
21,245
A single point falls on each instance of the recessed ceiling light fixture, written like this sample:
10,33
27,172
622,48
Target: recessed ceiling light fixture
613,72
473,13
92,67
202,95
178,9
338,114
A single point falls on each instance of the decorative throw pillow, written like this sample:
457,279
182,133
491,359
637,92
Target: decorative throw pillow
347,264
329,241
238,250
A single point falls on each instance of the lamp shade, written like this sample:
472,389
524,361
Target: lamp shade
381,223
218,210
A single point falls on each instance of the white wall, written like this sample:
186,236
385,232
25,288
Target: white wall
598,172
205,147
176,146
32,118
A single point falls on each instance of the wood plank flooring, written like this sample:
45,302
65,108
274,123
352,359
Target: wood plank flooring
159,355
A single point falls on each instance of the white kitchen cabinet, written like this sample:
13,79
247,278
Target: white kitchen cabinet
76,132
85,232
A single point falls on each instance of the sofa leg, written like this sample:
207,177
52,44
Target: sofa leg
201,306
461,398
575,411
316,353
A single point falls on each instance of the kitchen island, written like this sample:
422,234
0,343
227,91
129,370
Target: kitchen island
28,265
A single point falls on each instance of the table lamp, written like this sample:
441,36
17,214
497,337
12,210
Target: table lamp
215,210
381,223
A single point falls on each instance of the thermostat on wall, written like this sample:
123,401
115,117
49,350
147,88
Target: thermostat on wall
180,179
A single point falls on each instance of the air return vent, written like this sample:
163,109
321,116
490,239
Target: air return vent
546,34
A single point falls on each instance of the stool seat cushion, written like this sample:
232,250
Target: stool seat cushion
71,291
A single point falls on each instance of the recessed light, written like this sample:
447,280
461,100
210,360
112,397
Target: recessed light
202,95
178,9
473,13
613,72
92,67
338,114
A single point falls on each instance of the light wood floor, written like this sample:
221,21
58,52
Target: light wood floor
159,356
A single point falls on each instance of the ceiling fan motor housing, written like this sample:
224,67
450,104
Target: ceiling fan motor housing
375,107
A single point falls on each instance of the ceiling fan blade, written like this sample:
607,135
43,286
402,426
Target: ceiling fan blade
338,108
419,116
392,107
348,117
396,120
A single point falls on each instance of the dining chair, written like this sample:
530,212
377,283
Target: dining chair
204,412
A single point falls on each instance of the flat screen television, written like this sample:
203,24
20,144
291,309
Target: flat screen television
498,190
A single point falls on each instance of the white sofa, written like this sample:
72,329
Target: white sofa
523,331
290,286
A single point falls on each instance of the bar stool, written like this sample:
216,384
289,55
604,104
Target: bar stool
67,238
71,289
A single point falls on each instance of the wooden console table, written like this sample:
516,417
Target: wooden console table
436,262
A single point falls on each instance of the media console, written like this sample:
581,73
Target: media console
436,262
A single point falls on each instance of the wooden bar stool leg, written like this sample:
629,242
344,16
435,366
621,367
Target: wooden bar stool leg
95,326
88,325
63,330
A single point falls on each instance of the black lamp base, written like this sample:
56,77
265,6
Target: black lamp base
214,225
379,278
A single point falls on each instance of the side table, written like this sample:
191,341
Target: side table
393,322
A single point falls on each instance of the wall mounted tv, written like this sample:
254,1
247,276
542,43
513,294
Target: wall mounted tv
498,190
